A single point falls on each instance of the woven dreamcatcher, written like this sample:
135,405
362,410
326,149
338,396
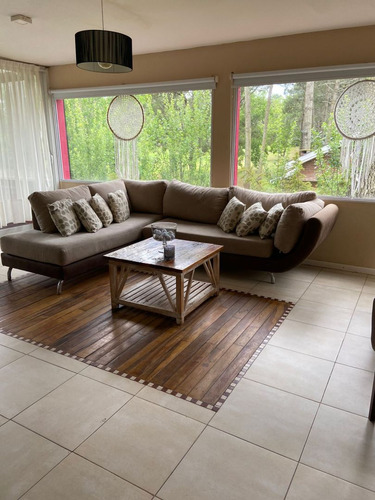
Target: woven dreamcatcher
355,119
125,117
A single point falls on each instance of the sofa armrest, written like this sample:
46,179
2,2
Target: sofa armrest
318,227
315,231
35,221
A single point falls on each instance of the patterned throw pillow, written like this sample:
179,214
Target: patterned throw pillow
269,225
101,209
251,219
119,205
87,216
64,217
231,215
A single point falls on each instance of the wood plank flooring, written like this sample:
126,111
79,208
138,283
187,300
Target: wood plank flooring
198,359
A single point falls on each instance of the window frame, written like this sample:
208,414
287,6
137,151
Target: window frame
240,80
208,83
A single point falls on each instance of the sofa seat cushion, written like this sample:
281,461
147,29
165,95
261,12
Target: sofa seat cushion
211,233
146,196
194,203
268,200
40,200
55,249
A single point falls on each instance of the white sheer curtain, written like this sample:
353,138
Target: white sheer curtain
25,157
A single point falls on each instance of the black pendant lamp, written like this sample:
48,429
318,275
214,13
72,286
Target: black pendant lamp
104,51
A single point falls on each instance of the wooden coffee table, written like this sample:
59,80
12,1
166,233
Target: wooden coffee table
167,288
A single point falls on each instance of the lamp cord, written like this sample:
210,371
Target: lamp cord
102,16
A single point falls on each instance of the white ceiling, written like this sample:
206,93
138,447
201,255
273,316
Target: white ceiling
161,25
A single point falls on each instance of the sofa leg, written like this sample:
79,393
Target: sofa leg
9,273
59,287
273,279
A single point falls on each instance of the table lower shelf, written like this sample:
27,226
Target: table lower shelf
149,295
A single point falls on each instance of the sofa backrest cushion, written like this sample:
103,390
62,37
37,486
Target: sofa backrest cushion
194,203
103,188
268,200
290,226
40,200
146,196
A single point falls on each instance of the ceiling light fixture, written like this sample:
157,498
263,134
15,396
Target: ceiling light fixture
104,51
21,19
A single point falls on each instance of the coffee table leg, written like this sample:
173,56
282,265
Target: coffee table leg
216,272
180,299
113,283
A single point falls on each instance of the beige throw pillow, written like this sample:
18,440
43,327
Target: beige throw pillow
101,209
64,217
269,225
87,216
119,205
231,215
251,219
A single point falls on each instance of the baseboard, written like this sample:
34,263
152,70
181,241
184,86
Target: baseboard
342,267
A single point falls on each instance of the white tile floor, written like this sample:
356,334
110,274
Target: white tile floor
294,428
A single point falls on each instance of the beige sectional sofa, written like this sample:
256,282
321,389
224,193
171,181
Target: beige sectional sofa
305,223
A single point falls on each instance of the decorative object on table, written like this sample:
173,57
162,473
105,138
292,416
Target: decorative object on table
165,232
104,51
355,120
125,117
169,252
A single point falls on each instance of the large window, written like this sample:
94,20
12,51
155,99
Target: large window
287,139
175,142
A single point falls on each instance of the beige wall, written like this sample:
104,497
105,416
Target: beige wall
325,48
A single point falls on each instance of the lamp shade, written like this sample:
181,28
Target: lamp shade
104,51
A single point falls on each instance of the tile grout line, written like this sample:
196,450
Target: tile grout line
182,458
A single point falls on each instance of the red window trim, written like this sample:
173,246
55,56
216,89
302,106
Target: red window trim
63,138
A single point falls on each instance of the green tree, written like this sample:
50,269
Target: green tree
331,180
91,152
175,142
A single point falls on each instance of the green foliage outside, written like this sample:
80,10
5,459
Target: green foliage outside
276,173
330,177
277,167
90,142
175,142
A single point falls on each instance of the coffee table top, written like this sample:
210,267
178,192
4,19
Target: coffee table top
188,255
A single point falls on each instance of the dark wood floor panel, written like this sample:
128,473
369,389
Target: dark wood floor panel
198,359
